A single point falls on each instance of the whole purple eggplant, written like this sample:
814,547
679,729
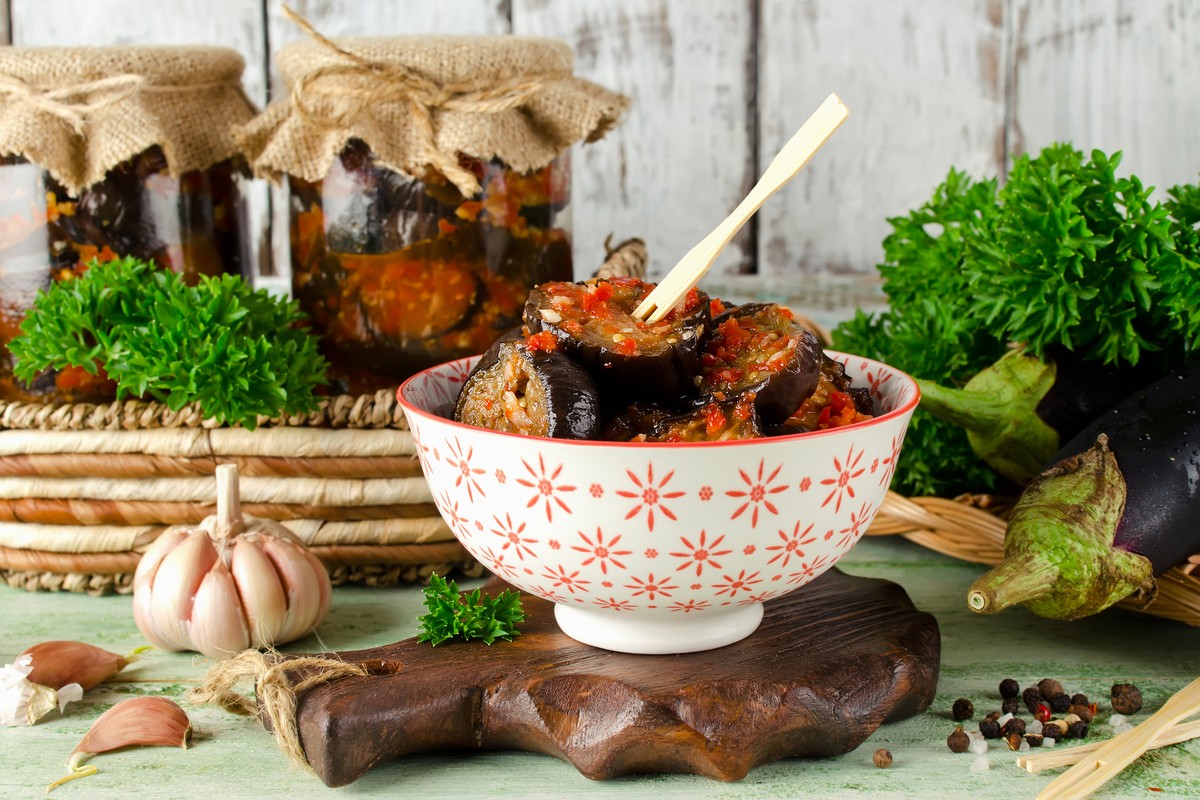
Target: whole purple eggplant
1117,506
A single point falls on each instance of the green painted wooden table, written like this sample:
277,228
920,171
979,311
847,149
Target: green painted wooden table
234,757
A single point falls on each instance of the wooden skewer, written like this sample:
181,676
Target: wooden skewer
1091,771
790,160
1053,759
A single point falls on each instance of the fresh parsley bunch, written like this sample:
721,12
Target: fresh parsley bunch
1067,254
237,352
468,616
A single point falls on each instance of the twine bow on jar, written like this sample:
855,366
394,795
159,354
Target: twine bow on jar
72,104
348,91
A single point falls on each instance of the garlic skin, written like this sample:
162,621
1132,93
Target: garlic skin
23,702
231,583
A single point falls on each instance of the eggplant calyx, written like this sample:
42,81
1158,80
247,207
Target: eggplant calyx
998,409
1059,559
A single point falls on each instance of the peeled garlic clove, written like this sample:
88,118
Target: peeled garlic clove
218,627
306,585
261,592
56,664
175,584
154,721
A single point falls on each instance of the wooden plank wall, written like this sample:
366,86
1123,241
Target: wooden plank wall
719,85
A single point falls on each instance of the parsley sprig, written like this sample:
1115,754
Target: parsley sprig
473,615
237,352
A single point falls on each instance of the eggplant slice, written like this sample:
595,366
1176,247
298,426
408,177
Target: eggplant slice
833,380
517,389
714,421
759,347
592,322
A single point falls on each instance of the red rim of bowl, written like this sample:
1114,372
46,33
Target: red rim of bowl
789,437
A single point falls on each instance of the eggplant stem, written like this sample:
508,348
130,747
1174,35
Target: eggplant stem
1011,582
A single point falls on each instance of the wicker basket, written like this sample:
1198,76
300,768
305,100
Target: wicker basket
85,489
971,527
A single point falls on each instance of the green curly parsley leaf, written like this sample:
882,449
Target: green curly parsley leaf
468,616
237,352
1071,258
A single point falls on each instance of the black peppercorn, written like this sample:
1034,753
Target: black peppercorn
958,741
1014,741
1126,698
963,709
989,728
1034,739
1079,699
994,715
1031,697
1077,730
1060,702
1014,725
1010,705
1050,687
1009,688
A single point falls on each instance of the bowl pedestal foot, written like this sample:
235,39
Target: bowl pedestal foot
679,632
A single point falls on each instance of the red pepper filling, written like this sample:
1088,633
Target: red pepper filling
745,351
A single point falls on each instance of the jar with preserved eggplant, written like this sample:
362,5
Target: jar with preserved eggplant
429,187
400,273
107,153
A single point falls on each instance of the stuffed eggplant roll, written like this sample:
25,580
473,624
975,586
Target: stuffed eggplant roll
759,347
593,322
523,385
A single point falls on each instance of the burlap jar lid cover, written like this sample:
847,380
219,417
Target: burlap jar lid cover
417,101
79,111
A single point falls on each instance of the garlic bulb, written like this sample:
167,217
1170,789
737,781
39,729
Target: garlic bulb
230,583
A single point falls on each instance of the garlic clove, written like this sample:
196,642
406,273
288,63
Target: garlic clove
155,721
174,588
304,584
58,663
143,579
218,627
260,589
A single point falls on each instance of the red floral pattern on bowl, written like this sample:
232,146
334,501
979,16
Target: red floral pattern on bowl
658,548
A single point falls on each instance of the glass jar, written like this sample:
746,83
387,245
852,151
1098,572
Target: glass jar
399,273
190,224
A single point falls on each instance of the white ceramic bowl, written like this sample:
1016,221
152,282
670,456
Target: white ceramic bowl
658,548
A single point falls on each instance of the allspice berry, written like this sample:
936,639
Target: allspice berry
883,758
1010,705
1009,688
962,709
958,741
1126,698
1077,730
989,728
1049,687
1079,699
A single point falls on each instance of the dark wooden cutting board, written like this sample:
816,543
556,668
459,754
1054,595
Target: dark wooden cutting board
830,663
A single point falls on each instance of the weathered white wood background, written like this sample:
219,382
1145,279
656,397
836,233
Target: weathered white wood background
719,85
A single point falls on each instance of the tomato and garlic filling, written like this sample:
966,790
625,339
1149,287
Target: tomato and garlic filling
718,420
833,404
534,392
759,347
593,322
